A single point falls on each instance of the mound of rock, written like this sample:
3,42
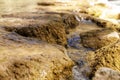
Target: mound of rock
96,39
108,56
24,58
106,74
70,21
106,23
53,32
51,29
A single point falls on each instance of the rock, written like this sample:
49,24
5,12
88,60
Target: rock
100,8
81,73
119,16
24,55
108,56
23,58
106,74
103,23
107,23
51,29
96,39
45,4
70,21
45,16
53,32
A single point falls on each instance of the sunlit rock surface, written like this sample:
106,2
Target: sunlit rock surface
106,74
108,56
24,55
27,59
52,29
96,39
81,72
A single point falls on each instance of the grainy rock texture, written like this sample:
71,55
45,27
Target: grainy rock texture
81,73
106,74
52,29
24,55
96,39
53,32
70,21
24,58
106,23
108,56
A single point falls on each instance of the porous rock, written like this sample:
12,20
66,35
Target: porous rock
96,39
53,32
108,56
106,74
24,58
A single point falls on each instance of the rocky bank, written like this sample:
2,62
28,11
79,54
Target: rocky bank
46,44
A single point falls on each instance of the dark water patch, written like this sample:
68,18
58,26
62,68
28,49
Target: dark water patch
74,42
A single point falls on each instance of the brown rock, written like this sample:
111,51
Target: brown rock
45,4
52,29
105,23
70,21
96,39
24,58
106,74
119,16
53,32
108,56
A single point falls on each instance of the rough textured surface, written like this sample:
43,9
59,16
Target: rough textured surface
24,58
106,74
53,32
102,9
108,56
70,21
96,39
105,23
52,29
81,73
